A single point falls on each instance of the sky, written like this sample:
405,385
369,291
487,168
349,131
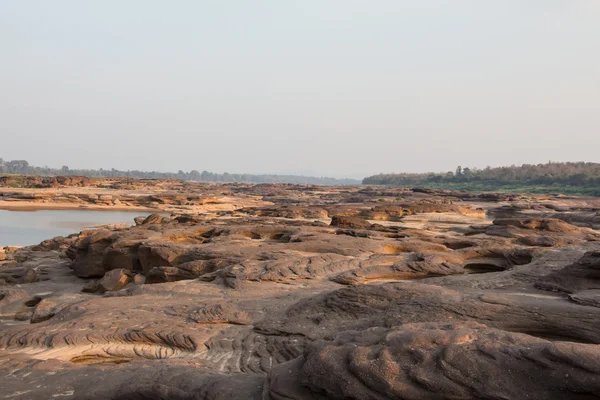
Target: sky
344,88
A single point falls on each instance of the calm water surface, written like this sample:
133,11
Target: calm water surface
24,228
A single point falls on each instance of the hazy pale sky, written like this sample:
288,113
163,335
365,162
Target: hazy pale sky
326,87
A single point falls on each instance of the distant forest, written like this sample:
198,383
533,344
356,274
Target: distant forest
22,167
568,177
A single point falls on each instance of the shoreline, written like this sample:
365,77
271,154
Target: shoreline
31,206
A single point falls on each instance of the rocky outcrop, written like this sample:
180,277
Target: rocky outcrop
582,275
112,281
540,224
432,360
305,292
342,221
364,306
288,212
152,219
541,232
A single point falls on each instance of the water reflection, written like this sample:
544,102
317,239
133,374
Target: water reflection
23,228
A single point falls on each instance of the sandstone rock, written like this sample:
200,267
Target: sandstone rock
288,211
29,276
220,314
418,361
12,302
92,286
546,224
587,297
48,307
52,244
152,219
23,315
341,221
44,311
158,254
546,241
250,305
364,306
113,280
11,249
139,279
89,254
123,254
166,274
105,197
187,218
581,275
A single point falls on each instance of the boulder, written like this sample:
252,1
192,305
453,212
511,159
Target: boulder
342,221
112,281
122,255
159,254
138,279
89,254
152,219
52,244
50,306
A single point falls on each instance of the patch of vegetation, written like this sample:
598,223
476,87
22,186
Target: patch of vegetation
516,188
579,178
22,167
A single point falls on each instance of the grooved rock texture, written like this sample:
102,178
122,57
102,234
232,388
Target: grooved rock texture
280,292
433,360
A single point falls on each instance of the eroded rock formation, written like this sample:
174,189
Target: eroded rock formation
302,292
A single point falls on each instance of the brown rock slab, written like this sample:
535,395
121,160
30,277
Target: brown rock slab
112,281
418,361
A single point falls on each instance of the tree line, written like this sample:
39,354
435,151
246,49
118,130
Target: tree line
583,174
22,167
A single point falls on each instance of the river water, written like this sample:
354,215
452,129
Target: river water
23,228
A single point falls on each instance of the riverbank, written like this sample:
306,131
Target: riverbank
33,206
171,198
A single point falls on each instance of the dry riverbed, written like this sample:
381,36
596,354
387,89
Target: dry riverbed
301,292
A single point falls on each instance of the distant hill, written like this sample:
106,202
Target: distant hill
567,177
22,167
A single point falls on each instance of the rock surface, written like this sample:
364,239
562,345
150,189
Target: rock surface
304,292
432,360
